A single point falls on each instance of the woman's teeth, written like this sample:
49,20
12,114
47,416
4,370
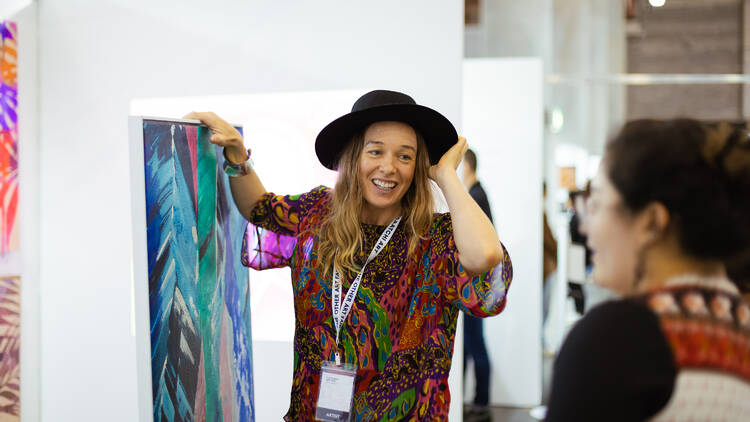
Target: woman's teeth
384,185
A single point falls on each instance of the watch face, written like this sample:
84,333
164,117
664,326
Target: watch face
236,170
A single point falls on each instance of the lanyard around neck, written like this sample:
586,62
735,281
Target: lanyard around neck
341,310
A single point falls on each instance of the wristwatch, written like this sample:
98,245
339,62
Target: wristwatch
238,170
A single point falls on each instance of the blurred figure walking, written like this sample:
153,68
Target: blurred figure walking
474,347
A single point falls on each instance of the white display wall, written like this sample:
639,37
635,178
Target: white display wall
95,57
503,124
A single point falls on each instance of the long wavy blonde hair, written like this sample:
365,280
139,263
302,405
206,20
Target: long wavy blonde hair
340,236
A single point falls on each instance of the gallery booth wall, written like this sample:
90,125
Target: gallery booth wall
504,123
95,57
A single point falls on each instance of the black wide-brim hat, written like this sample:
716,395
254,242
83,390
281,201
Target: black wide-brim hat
377,106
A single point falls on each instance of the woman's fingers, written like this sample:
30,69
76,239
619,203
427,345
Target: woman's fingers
450,159
223,134
456,153
205,117
464,146
216,139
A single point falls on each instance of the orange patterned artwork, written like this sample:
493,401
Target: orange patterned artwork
10,339
8,138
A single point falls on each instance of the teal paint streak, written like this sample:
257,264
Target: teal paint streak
207,286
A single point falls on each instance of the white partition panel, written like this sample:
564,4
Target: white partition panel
503,123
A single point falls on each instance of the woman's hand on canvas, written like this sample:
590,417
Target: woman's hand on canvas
449,161
223,134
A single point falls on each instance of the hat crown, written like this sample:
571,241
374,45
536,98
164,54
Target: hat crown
381,97
379,106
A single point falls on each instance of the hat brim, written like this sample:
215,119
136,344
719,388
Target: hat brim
438,132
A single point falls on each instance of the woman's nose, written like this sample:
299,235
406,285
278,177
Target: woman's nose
387,165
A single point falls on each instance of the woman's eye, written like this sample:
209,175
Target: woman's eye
406,157
373,152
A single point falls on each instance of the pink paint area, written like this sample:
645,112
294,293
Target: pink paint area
8,137
199,411
227,375
191,132
8,192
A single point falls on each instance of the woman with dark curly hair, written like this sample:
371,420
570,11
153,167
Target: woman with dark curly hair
669,206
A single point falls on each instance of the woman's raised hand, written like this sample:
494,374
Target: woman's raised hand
450,160
223,134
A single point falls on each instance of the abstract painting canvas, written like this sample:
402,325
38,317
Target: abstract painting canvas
10,340
292,120
198,292
8,138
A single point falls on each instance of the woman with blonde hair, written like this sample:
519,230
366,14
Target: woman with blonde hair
378,277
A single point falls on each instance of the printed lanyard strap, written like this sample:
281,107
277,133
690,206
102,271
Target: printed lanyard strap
341,310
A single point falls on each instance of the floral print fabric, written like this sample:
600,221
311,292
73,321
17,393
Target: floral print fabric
400,330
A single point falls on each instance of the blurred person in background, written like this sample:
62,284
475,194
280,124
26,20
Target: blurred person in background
668,208
577,200
578,237
474,346
549,258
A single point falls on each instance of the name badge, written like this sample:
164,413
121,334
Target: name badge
336,392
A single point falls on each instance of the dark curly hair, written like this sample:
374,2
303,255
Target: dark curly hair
700,172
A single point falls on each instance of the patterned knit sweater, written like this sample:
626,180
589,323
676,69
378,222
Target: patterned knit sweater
677,353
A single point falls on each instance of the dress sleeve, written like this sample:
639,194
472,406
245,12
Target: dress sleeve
271,234
479,295
615,365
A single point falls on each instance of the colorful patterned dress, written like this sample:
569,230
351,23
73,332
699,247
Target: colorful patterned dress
400,330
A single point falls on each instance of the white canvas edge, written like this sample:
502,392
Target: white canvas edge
172,120
140,314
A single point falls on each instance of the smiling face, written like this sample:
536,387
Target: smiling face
386,169
612,236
